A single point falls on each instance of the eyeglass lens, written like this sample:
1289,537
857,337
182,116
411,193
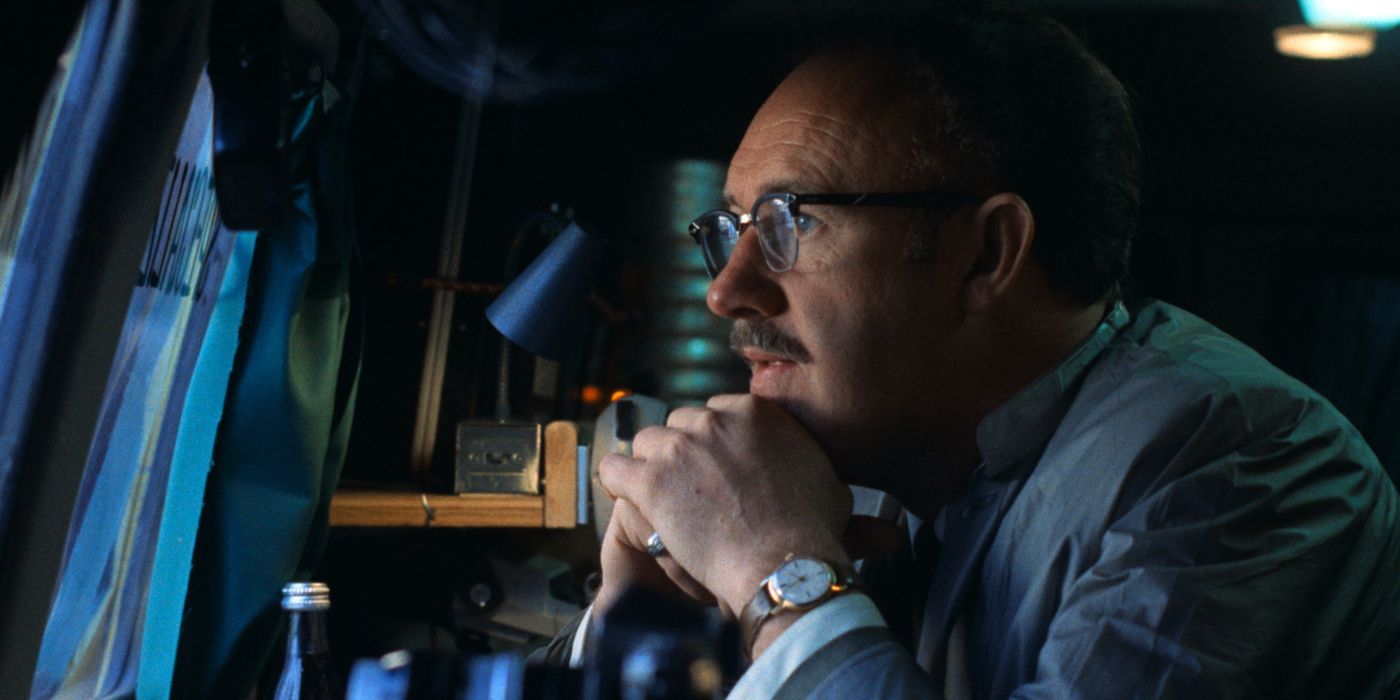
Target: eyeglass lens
777,232
718,233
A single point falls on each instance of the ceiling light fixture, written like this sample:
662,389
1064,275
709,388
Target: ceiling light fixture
1324,42
1375,14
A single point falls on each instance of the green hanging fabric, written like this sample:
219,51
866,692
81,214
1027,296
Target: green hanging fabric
286,422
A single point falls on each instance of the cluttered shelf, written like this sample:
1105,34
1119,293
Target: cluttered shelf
555,507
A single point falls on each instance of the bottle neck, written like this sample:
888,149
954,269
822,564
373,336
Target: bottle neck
307,634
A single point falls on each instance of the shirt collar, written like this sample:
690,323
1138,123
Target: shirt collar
1009,433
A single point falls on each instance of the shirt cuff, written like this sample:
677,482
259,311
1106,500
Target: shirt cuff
580,638
804,638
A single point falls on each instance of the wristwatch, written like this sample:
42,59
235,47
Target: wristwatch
800,583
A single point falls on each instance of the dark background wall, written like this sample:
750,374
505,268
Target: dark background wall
1271,199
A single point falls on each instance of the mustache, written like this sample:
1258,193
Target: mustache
763,335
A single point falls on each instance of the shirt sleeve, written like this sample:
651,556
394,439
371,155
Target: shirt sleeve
835,649
576,647
1252,574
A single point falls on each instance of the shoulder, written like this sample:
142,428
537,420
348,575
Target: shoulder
1171,376
1174,404
1194,484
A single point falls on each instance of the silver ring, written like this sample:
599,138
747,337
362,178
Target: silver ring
655,547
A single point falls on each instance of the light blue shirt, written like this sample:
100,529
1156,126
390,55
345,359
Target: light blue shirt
1163,514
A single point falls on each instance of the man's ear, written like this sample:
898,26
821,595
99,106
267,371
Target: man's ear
1004,229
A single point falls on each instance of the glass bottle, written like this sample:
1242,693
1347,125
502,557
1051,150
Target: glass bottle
309,671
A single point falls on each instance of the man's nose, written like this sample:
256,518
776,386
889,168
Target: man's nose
746,287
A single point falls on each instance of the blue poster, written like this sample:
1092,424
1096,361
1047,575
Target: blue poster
194,271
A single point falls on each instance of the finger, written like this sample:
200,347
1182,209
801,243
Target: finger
867,537
633,530
630,527
685,582
624,566
728,402
619,473
627,567
682,416
685,416
646,442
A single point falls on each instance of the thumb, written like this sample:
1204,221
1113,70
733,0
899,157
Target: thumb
868,537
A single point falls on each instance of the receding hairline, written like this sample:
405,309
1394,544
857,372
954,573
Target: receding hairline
887,93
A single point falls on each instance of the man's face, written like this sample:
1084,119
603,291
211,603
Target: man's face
854,340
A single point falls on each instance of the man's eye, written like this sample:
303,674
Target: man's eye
807,222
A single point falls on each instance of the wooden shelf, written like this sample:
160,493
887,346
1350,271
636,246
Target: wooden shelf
556,506
407,509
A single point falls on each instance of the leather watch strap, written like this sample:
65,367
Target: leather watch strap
765,603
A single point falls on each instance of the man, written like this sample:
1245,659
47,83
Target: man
925,234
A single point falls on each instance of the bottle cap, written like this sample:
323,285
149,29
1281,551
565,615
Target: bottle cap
306,595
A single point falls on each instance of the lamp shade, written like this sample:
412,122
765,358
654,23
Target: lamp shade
545,310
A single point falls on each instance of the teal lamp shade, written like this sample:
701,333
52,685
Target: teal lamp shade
545,310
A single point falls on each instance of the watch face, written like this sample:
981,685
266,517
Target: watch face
803,581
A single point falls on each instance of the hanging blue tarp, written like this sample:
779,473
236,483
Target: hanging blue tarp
165,391
232,386
40,219
285,425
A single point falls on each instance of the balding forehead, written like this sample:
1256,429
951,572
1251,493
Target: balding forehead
832,122
809,149
809,128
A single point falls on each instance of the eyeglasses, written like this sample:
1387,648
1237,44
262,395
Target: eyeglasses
777,218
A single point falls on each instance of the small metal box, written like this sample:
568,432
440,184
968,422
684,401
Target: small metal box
495,457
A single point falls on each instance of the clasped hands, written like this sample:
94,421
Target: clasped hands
733,489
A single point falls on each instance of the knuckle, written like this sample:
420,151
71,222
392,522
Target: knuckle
628,517
610,473
680,416
673,447
609,464
707,422
645,441
645,481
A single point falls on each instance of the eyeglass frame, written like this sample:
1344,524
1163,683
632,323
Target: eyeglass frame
925,199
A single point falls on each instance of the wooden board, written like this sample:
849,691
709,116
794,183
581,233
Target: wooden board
556,507
560,474
406,509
